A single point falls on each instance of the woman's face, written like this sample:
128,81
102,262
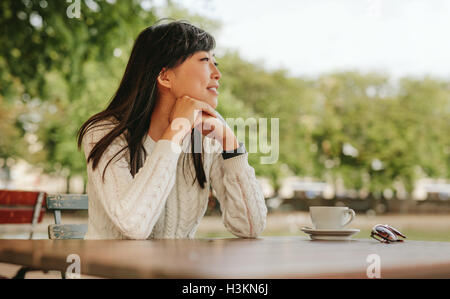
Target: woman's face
196,77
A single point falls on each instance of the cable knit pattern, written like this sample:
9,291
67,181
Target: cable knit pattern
239,194
160,201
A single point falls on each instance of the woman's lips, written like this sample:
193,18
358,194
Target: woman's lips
213,90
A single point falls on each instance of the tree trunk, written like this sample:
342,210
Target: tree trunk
68,184
84,185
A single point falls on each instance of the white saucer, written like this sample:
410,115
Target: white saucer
330,234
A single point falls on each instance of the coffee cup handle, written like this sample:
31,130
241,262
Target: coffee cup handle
352,216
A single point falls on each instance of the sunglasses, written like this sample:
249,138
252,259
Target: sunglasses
386,234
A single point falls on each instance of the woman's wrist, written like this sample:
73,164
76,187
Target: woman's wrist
174,134
230,144
236,152
229,140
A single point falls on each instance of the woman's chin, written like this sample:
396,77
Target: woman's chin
212,102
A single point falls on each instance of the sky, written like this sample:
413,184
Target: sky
309,38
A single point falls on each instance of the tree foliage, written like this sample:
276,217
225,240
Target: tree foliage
361,129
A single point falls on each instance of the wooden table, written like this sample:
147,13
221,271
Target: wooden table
266,257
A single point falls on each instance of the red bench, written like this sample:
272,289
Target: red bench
22,207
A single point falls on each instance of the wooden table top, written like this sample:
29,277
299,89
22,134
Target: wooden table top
265,257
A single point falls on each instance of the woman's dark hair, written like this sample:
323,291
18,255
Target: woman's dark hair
156,47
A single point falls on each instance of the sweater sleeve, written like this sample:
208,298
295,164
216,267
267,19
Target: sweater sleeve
132,204
239,194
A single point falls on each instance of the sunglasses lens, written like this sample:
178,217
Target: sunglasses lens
385,233
396,231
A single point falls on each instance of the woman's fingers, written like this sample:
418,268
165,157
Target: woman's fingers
192,109
206,108
201,105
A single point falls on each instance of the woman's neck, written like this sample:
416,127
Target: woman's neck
159,121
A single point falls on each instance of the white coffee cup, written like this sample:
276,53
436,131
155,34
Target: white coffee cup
331,217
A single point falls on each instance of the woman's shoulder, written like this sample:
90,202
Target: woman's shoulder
96,131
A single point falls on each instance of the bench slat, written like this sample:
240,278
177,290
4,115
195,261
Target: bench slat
10,216
67,231
67,202
19,198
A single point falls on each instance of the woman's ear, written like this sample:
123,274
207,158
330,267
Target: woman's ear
164,78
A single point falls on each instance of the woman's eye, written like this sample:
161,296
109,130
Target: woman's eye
207,59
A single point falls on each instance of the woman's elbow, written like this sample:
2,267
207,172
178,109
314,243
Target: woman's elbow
135,235
258,224
249,234
252,231
135,231
258,228
252,235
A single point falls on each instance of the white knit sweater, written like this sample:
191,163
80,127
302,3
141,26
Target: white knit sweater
160,201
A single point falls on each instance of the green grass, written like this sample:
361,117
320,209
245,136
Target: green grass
414,235
411,234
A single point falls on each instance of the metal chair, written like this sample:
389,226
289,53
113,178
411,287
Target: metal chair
60,202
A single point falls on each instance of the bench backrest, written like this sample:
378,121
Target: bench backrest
60,202
22,207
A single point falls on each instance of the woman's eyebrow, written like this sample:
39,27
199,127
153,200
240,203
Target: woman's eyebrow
206,52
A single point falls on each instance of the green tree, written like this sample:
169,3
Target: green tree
52,62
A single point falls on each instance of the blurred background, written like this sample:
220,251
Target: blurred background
361,90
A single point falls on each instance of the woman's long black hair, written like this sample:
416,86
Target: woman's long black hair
157,47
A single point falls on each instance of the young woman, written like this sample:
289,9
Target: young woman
158,137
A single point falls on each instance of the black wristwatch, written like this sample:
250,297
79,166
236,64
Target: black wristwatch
233,153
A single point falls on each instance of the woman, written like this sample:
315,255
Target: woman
139,185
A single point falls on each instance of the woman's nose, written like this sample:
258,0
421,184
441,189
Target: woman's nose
216,73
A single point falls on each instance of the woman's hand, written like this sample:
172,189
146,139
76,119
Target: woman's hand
190,109
184,117
215,128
